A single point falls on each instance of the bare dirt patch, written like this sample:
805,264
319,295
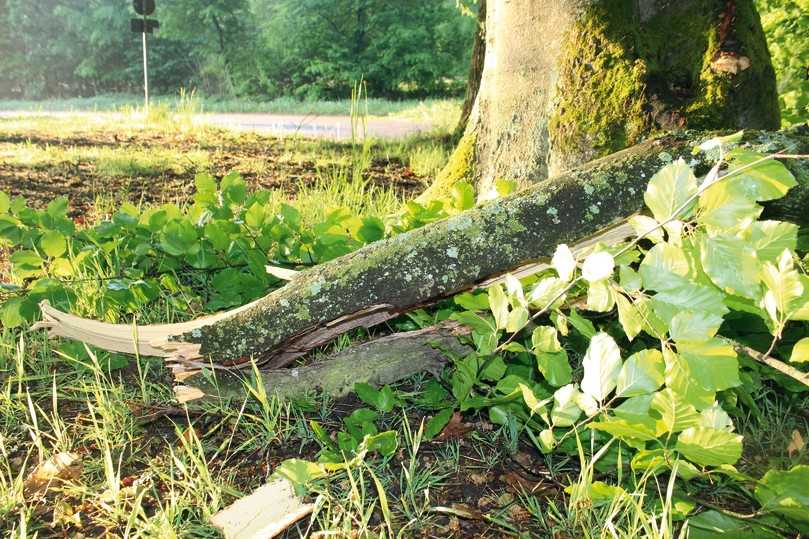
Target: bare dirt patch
264,162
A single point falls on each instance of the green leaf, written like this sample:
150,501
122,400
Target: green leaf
535,405
800,352
600,297
628,316
637,410
16,312
463,196
499,305
624,430
709,447
367,394
732,265
437,423
385,443
681,378
771,238
547,290
766,180
53,243
630,279
712,524
783,285
300,472
713,364
654,460
582,325
664,267
688,326
361,423
206,189
688,297
716,418
555,367
602,364
26,264
179,238
474,321
676,414
646,227
517,319
5,203
545,339
254,216
786,493
372,229
472,302
641,374
565,411
494,370
234,188
723,209
669,189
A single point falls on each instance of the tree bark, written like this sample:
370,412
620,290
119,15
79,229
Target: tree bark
475,69
568,81
382,361
393,276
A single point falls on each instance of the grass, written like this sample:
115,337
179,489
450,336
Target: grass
115,162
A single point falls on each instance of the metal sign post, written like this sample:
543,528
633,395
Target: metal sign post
144,26
145,76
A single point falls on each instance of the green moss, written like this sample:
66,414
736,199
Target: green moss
601,93
628,71
748,98
460,167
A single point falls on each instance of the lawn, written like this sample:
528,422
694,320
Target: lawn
141,465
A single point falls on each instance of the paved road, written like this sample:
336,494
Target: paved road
325,127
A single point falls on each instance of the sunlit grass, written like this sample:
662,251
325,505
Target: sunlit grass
109,161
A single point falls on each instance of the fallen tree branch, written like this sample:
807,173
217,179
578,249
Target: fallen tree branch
382,361
390,277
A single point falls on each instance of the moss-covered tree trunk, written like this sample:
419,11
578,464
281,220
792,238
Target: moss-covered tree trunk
389,277
568,81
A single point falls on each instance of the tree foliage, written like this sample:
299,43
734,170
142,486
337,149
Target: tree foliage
786,23
243,47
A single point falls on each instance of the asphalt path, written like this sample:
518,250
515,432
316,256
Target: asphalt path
312,126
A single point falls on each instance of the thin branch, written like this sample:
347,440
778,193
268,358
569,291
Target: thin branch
770,361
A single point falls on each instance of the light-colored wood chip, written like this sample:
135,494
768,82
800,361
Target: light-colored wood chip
52,472
264,514
185,394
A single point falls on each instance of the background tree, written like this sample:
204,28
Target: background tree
322,47
564,82
251,48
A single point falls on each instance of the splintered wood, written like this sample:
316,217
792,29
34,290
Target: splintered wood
264,514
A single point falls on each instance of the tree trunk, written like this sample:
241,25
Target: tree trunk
475,69
568,81
389,277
